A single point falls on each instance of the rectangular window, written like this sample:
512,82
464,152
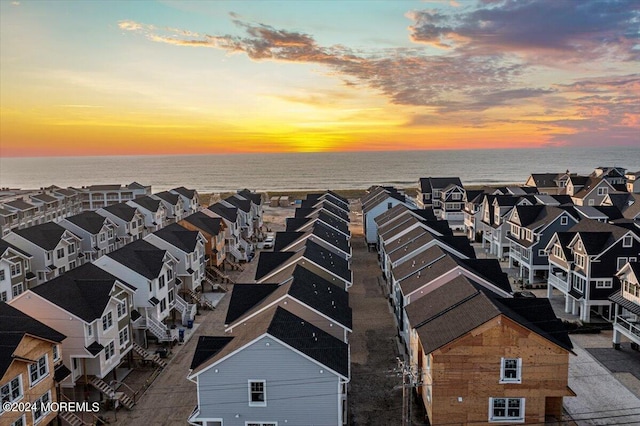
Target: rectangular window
169,274
161,281
109,351
12,391
61,270
56,353
40,403
107,321
578,283
103,237
22,421
123,335
541,252
604,283
261,424
2,275
122,309
89,330
74,363
602,191
511,370
16,269
71,248
627,241
38,370
456,196
257,393
3,296
580,260
72,264
60,253
564,220
171,296
17,289
48,255
621,262
506,409
163,305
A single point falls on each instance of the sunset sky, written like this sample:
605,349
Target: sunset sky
126,77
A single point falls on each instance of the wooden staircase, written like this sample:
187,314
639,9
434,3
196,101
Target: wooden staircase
148,356
202,301
107,390
214,273
71,419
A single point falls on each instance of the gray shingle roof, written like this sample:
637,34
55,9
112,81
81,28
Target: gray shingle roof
90,221
179,237
46,235
142,257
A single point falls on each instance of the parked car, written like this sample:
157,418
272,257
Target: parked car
268,242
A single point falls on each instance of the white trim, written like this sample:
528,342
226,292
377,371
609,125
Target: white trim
505,419
518,378
252,403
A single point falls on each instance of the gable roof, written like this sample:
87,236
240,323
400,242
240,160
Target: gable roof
253,196
239,202
178,236
4,246
122,210
293,332
45,235
328,260
208,347
428,184
208,224
14,326
90,221
270,260
284,239
246,296
189,193
332,237
228,213
84,291
45,198
19,204
142,257
147,202
169,197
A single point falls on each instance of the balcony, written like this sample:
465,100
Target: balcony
629,328
559,281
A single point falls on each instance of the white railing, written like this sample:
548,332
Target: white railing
632,327
187,310
559,282
237,254
161,331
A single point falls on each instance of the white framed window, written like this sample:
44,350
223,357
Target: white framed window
103,237
109,351
169,274
11,391
627,241
257,393
602,191
511,370
72,264
38,370
3,296
592,202
123,336
89,330
161,281
40,403
604,283
579,283
56,353
542,252
621,262
580,260
71,248
122,309
2,275
60,253
107,321
506,409
456,196
260,423
564,220
163,304
16,269
17,289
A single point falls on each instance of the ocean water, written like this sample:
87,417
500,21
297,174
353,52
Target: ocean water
310,171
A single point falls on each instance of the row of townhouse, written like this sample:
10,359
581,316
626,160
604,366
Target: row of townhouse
476,353
24,208
284,357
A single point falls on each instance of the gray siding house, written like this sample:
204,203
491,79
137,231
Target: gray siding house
277,370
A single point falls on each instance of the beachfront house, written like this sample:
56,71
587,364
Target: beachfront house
129,221
305,224
98,196
152,272
98,234
30,368
187,247
549,183
482,358
430,191
173,203
257,213
321,234
93,309
190,199
583,263
591,192
251,376
531,228
15,271
315,200
495,210
326,207
244,214
633,181
153,210
54,249
472,202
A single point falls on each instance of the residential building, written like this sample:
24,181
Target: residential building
257,213
583,263
15,271
626,305
129,221
376,202
173,204
54,249
153,210
237,248
252,375
98,234
190,199
93,308
590,193
213,229
495,210
30,363
244,214
549,183
430,191
633,182
320,233
472,220
484,358
98,196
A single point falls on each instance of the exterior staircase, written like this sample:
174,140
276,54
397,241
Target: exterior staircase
148,356
107,390
187,310
203,301
214,273
160,330
237,254
71,419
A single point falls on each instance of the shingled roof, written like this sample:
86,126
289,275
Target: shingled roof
147,202
122,210
228,213
142,257
204,222
178,236
90,221
14,326
45,235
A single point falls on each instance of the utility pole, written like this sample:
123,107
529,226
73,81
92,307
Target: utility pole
411,378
